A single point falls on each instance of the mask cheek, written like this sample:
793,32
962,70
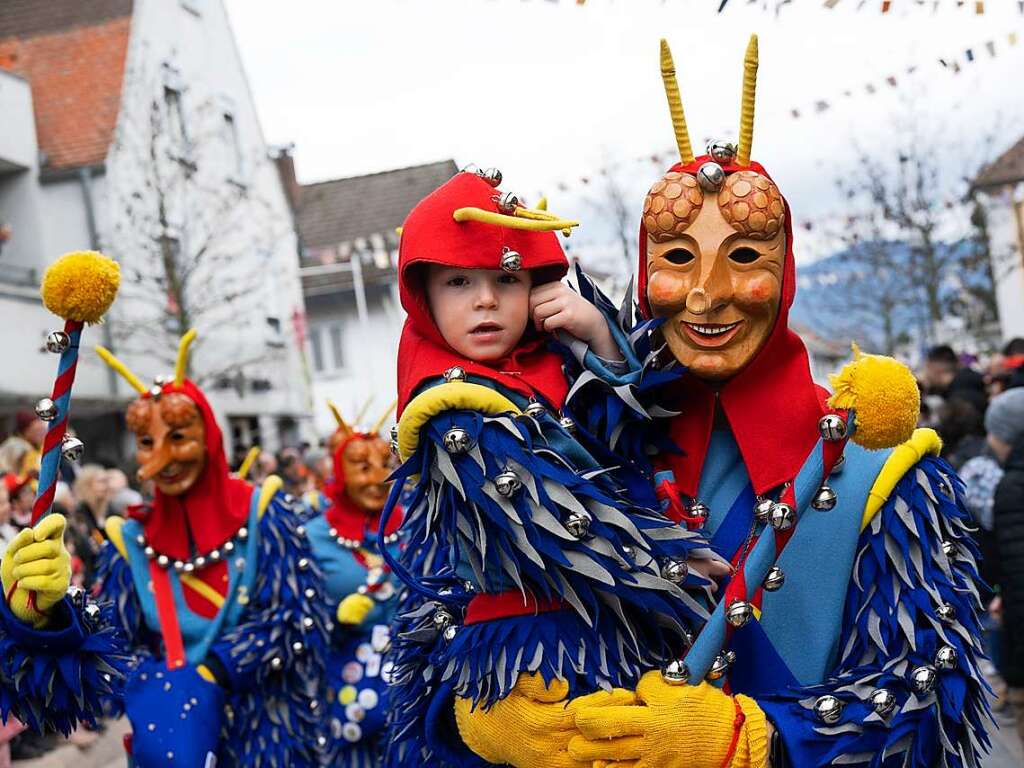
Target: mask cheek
666,291
758,293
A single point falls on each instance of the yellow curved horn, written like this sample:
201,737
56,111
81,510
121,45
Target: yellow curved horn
675,103
747,103
248,461
531,221
343,426
383,417
134,381
362,411
181,366
542,204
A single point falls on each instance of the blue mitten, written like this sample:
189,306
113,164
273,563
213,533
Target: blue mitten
176,715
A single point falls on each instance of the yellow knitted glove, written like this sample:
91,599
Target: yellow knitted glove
36,571
531,727
354,609
676,726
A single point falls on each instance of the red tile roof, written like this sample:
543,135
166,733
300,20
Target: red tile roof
76,76
1008,168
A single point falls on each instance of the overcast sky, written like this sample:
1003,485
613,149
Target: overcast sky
551,91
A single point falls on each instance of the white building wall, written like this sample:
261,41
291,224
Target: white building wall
1006,224
195,42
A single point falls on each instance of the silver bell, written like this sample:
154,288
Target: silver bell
455,373
883,702
492,176
442,619
276,664
711,176
450,632
46,409
774,579
156,391
762,509
945,489
739,613
57,342
945,657
782,516
723,152
675,571
675,673
922,679
567,424
832,427
163,561
838,466
508,202
578,524
72,448
825,499
303,561
507,483
535,410
394,439
946,613
721,665
179,566
149,552
828,709
699,511
948,548
457,440
92,611
511,261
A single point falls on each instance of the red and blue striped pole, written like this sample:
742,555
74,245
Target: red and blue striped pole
79,287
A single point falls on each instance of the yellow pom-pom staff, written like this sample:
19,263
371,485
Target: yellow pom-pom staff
79,287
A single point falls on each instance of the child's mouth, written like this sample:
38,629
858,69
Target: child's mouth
486,331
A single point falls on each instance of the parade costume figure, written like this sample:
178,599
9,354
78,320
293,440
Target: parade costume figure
59,658
529,571
850,626
217,595
358,589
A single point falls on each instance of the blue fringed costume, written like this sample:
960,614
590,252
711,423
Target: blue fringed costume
528,549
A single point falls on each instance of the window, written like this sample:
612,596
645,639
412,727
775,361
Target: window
317,348
336,347
234,147
176,122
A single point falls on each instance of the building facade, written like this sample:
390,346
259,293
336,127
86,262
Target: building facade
129,128
347,228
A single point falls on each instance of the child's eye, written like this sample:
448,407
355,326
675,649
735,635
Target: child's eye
508,279
457,282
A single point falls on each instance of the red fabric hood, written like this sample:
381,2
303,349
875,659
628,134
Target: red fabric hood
212,510
431,236
772,405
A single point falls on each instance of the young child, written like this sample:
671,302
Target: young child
529,567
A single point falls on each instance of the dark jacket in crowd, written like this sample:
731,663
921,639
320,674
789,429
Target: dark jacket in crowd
1008,516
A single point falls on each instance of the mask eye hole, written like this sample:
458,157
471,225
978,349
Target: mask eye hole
679,256
744,255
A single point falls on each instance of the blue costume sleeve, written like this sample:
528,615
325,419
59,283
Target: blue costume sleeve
55,678
908,682
618,402
278,647
559,532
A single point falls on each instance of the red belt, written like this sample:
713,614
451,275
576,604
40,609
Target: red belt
504,605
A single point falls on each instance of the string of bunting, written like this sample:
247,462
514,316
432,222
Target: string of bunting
884,5
954,64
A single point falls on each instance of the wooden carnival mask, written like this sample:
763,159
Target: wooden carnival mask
715,247
170,441
365,462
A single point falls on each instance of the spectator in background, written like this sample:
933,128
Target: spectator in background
946,377
19,453
320,467
121,495
22,494
265,466
7,531
1005,424
85,525
962,428
293,471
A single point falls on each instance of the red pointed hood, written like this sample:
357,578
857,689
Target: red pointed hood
431,235
772,405
212,510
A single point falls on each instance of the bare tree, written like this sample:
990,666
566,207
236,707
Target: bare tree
614,203
194,241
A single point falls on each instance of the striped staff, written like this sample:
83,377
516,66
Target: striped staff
79,287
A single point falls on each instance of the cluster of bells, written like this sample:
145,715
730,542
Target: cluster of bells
347,543
196,562
507,203
711,174
71,448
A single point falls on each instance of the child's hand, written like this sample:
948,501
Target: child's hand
556,306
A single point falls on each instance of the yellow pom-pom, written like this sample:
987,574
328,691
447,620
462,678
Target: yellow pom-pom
81,286
884,397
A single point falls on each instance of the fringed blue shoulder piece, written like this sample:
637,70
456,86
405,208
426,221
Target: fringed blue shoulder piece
277,650
907,690
54,679
510,514
617,402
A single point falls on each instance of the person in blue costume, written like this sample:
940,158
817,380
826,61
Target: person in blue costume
848,633
358,589
217,595
532,569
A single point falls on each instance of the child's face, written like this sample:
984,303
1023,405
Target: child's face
481,313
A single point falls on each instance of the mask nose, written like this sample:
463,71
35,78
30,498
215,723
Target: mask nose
714,289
